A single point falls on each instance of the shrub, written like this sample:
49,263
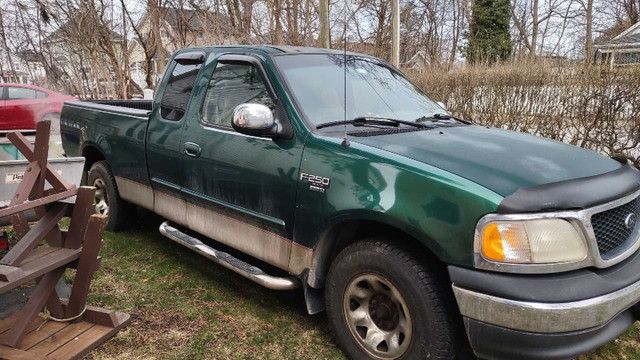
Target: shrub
594,108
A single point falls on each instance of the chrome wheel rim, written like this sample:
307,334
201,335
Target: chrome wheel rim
377,316
101,199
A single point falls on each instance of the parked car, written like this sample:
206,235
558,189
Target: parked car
418,232
21,106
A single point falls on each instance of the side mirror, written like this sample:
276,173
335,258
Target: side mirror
254,120
442,105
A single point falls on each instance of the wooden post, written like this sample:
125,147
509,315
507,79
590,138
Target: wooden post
395,33
324,39
87,264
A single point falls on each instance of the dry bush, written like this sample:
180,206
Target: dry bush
593,108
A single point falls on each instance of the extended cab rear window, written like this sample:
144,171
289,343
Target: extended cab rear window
178,91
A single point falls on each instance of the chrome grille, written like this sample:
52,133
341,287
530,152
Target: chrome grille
610,226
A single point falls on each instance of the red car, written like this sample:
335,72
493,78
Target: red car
21,106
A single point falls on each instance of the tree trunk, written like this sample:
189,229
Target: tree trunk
588,49
277,17
395,33
534,29
324,38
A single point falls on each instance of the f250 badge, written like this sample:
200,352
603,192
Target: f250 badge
316,182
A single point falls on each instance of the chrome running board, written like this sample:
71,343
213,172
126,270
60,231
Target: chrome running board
230,262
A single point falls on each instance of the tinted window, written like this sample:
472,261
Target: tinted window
230,86
17,93
176,94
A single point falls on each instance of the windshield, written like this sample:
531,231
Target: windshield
373,89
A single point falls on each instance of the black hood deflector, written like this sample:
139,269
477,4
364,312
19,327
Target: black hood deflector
572,194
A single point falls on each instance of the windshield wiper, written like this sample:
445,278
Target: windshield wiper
440,116
369,121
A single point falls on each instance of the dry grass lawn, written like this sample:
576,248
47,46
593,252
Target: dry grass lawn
186,307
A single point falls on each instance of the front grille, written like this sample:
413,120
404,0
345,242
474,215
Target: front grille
610,228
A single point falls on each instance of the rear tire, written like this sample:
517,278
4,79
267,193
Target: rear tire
384,303
107,199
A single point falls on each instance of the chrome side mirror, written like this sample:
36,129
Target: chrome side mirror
255,120
442,105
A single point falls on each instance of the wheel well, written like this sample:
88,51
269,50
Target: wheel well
341,235
53,112
91,155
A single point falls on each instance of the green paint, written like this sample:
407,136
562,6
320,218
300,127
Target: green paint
432,184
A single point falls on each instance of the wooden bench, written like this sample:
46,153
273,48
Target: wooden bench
76,328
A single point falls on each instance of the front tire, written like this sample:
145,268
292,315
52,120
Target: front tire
107,200
384,303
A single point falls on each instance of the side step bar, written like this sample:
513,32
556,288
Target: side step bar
230,262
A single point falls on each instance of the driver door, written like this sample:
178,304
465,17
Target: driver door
240,189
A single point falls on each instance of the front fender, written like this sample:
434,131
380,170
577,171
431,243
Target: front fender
437,208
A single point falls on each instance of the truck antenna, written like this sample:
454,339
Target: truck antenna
345,141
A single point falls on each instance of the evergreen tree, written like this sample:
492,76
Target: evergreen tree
488,36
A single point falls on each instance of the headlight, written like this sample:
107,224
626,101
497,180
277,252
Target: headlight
531,241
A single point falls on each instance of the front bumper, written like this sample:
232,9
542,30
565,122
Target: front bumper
495,342
551,316
545,317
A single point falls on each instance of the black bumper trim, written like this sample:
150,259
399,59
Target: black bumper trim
494,342
550,288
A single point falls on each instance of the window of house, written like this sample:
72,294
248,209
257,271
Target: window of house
178,91
230,86
19,93
628,58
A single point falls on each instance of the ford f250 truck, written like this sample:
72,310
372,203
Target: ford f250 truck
418,232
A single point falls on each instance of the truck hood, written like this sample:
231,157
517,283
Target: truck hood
500,160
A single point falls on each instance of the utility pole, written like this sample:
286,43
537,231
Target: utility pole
395,33
324,39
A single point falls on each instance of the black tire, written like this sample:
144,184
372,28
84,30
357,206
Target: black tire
119,211
434,329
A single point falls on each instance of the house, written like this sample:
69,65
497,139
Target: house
418,62
80,63
25,68
179,28
622,50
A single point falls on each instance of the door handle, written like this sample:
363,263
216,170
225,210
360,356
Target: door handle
192,149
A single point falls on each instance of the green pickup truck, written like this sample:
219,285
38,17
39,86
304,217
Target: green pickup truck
422,235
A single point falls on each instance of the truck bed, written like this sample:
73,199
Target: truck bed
113,130
127,107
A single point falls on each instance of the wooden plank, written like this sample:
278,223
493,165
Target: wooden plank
39,252
20,225
26,184
37,233
86,264
54,305
11,273
36,336
32,308
82,210
60,338
16,354
32,270
52,176
84,343
6,323
13,209
41,151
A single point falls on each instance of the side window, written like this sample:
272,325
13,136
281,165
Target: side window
41,94
178,91
230,86
18,93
